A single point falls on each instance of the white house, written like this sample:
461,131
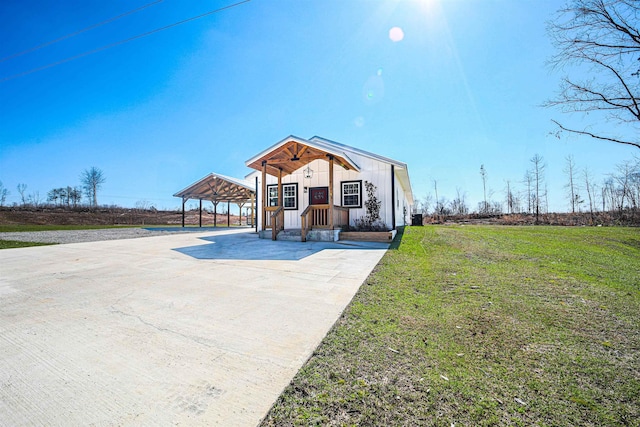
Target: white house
318,184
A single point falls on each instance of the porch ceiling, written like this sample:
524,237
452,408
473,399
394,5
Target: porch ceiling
218,188
293,155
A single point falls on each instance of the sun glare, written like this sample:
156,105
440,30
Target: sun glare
396,34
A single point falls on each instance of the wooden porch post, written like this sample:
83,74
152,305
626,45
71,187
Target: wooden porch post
280,198
330,192
264,194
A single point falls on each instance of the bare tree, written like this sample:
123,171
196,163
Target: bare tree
528,182
459,204
571,186
590,188
3,194
513,201
435,187
22,188
423,205
628,188
609,195
538,180
75,195
54,195
34,199
92,180
483,174
603,38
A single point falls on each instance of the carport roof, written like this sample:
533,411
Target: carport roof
219,188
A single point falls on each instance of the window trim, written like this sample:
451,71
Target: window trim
295,197
359,205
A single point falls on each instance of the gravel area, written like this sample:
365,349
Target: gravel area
77,236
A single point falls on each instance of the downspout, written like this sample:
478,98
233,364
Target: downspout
393,198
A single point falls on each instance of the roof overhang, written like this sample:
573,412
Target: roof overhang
293,153
218,188
402,173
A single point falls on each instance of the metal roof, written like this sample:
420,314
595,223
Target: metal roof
219,188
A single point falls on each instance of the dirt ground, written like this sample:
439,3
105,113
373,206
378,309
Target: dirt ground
108,216
123,216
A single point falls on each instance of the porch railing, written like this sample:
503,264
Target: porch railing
274,220
318,216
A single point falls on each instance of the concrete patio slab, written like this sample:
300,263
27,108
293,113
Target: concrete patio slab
188,329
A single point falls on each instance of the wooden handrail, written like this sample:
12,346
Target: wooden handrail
317,216
277,221
303,222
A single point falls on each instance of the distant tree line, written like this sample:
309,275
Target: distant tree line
618,193
65,196
91,181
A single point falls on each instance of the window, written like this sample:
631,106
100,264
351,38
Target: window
272,191
289,195
351,194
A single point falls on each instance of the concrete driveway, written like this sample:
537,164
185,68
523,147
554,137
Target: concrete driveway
185,329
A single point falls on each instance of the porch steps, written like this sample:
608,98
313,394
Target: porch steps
291,235
320,235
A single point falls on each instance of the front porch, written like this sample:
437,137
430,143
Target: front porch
318,222
322,219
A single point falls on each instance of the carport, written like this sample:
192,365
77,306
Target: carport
218,188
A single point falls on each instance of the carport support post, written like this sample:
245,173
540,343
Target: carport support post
228,214
240,205
200,213
215,213
183,202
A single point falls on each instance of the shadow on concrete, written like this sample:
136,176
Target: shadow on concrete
247,246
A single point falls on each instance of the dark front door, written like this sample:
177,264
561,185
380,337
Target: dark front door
319,196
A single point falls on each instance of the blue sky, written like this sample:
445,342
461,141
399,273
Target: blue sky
462,88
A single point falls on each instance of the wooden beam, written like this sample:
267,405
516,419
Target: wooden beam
301,152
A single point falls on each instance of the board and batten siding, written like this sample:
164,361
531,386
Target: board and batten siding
372,170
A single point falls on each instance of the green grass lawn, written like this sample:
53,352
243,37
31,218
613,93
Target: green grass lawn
10,244
483,325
